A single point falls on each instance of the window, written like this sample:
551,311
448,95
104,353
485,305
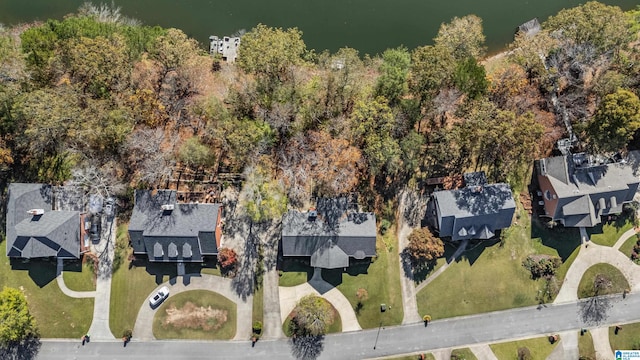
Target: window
547,195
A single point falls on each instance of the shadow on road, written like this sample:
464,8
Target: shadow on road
594,310
25,350
307,347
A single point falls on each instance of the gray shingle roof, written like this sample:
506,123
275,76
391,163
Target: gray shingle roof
334,231
54,233
185,233
584,189
473,212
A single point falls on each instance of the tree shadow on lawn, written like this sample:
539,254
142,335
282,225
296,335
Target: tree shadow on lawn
420,273
41,271
25,350
307,347
564,240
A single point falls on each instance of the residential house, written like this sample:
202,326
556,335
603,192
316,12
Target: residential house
36,230
168,231
578,189
330,235
225,46
476,211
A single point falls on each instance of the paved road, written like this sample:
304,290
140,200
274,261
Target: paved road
455,332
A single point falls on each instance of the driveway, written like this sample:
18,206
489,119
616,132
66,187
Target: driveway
289,296
143,329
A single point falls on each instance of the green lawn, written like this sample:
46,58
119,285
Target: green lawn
381,281
585,346
336,327
608,233
78,276
628,245
463,354
57,316
628,337
539,348
294,272
379,278
618,282
221,326
133,282
258,306
491,277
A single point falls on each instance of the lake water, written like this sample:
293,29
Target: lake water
370,26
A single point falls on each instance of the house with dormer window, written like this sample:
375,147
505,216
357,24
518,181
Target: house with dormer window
168,231
577,190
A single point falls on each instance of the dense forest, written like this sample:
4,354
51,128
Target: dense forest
99,98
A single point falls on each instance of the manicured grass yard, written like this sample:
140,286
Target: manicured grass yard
608,233
627,339
585,346
463,354
379,278
381,281
57,315
628,245
539,348
618,282
295,272
491,277
181,317
78,276
133,282
258,305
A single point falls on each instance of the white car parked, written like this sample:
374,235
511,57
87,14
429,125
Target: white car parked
159,296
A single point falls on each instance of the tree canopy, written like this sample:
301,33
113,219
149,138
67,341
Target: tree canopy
312,316
603,26
16,323
424,248
463,37
615,122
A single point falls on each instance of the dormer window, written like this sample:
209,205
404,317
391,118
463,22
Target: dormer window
547,195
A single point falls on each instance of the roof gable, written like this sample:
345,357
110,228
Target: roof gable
473,212
53,233
327,232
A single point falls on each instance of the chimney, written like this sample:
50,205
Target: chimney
167,207
36,212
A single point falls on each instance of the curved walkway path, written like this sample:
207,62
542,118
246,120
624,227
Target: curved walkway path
99,328
289,296
143,329
65,290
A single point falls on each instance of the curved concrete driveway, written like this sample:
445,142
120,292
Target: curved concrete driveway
589,256
289,296
143,329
